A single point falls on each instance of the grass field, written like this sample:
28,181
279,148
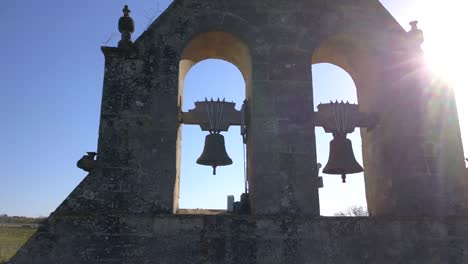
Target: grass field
12,238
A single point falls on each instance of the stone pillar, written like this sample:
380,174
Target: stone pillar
413,156
281,138
138,135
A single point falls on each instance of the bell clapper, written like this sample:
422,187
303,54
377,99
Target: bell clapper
214,170
343,177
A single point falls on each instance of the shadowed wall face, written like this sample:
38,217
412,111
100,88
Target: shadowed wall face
243,239
123,211
406,169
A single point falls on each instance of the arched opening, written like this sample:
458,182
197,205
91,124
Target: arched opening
344,69
215,65
332,83
198,187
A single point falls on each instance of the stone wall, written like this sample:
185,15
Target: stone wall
410,156
125,239
123,212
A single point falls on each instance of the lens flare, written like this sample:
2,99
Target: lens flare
446,44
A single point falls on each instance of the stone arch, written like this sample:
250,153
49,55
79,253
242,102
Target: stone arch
331,82
353,53
215,44
216,35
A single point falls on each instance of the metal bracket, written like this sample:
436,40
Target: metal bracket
343,117
244,121
212,115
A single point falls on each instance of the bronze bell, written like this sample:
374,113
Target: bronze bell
341,159
214,153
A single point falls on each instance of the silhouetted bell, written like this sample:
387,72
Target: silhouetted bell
214,153
341,159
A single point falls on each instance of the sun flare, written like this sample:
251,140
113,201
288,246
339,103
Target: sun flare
450,66
446,50
446,46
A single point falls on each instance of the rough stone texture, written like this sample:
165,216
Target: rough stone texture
413,158
236,239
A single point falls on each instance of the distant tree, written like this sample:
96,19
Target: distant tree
354,211
5,219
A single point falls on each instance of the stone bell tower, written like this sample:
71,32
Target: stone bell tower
126,209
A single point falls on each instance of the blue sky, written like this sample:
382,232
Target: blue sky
52,69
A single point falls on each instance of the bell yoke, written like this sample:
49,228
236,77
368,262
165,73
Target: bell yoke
336,118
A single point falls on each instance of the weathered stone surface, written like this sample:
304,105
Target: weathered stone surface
413,159
228,239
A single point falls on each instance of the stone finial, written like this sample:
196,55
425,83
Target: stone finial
126,28
415,35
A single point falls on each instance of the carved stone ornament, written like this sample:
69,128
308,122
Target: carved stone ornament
87,162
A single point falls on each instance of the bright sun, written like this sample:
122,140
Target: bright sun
446,49
446,45
448,65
